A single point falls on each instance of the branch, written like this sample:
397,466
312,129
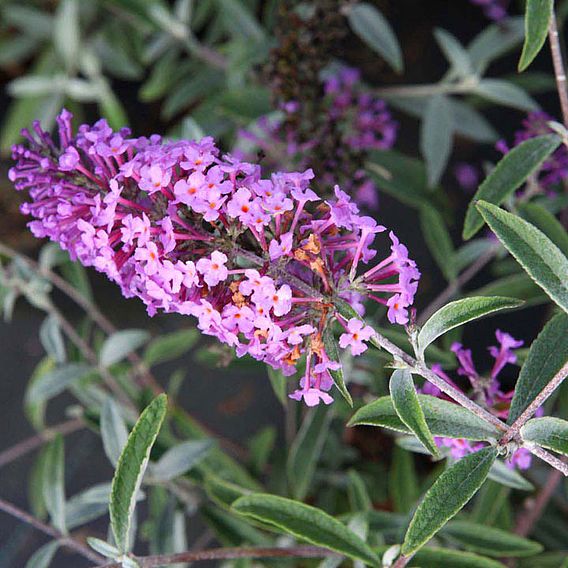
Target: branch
230,553
550,459
30,444
559,69
66,541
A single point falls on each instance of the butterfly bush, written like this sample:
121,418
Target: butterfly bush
353,123
260,262
486,390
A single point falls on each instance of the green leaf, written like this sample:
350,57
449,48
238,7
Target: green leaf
457,313
180,459
121,344
279,384
239,21
534,251
66,32
508,477
455,53
439,241
444,419
407,406
170,346
508,175
436,557
403,483
449,494
103,547
548,432
332,350
489,540
537,17
53,483
306,523
544,220
306,449
53,382
359,499
43,556
113,430
131,467
505,93
519,286
223,492
436,136
87,505
372,27
52,339
546,357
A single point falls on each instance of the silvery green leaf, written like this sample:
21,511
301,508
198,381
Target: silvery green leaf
86,506
66,32
52,339
168,21
449,494
53,483
53,382
337,375
359,499
306,449
459,312
113,430
35,411
130,470
545,221
81,90
548,432
180,459
121,344
407,406
103,547
239,21
546,357
471,251
509,174
373,28
43,556
455,53
438,240
190,129
505,93
36,85
436,134
278,383
537,17
534,251
170,346
504,475
32,21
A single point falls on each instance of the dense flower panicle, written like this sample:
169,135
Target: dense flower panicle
555,169
259,262
486,390
354,120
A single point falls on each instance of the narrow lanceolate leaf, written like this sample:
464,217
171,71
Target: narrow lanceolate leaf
546,356
455,53
407,406
180,459
131,467
537,18
490,540
54,382
544,220
459,312
436,137
113,430
306,523
449,494
443,418
505,93
372,27
508,175
548,432
359,499
534,251
333,351
279,384
306,449
435,557
170,346
508,477
53,483
439,241
43,556
120,344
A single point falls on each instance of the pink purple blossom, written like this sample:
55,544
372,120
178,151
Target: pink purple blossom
258,261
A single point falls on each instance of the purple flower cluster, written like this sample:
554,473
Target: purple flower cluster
486,390
495,10
555,169
354,120
259,262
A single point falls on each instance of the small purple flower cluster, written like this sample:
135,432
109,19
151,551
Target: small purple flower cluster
259,262
495,10
555,169
486,390
358,121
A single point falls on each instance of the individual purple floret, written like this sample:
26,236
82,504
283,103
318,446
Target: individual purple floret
495,10
260,262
